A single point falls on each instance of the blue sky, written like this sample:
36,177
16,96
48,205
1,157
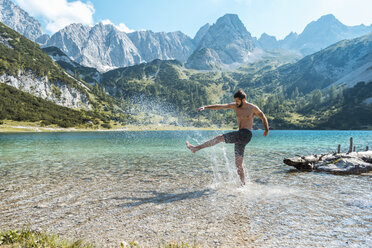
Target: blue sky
275,17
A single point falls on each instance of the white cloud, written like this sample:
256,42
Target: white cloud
122,27
56,14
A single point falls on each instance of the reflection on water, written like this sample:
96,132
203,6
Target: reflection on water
146,186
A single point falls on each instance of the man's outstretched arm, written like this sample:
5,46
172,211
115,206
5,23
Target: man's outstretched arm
217,106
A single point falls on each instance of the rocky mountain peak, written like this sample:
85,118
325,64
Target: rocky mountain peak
19,20
325,31
162,45
268,42
330,18
230,20
227,42
324,22
227,30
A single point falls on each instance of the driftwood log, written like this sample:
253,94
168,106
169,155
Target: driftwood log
336,163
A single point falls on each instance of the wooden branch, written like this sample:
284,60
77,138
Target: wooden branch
343,163
351,145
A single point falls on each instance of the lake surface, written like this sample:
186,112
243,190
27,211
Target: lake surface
109,187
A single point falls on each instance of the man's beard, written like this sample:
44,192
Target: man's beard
241,104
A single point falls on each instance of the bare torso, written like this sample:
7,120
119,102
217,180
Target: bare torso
245,115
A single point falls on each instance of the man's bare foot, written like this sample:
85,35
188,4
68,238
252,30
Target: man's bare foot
191,147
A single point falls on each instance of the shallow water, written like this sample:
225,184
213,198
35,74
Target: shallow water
109,187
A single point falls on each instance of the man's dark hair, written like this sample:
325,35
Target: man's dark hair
240,94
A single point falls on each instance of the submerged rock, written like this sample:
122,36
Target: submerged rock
337,163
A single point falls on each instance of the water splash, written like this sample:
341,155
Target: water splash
147,110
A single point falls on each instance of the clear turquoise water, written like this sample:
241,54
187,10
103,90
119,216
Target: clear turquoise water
113,186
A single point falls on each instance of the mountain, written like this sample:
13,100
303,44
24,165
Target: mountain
173,91
43,39
102,46
331,64
317,35
361,74
87,74
225,43
317,91
19,20
321,69
324,32
105,47
35,88
201,32
165,46
24,66
288,42
268,42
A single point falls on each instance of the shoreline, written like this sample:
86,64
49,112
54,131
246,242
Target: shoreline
29,127
9,126
132,128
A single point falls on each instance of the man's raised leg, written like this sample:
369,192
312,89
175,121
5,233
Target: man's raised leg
209,143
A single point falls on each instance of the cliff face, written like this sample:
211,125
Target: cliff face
105,47
19,20
165,46
58,92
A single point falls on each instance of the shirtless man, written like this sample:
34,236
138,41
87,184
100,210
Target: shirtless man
245,113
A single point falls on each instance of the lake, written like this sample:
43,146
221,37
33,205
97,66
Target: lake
109,187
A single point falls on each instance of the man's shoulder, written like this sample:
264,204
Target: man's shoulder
254,107
251,105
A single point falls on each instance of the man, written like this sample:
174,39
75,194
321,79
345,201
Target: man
245,113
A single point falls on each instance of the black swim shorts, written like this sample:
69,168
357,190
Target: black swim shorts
240,138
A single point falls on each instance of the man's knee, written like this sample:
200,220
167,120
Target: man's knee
220,138
239,150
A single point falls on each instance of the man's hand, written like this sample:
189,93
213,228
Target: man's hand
266,132
200,109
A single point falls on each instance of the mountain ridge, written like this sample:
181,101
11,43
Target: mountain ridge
224,43
212,48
